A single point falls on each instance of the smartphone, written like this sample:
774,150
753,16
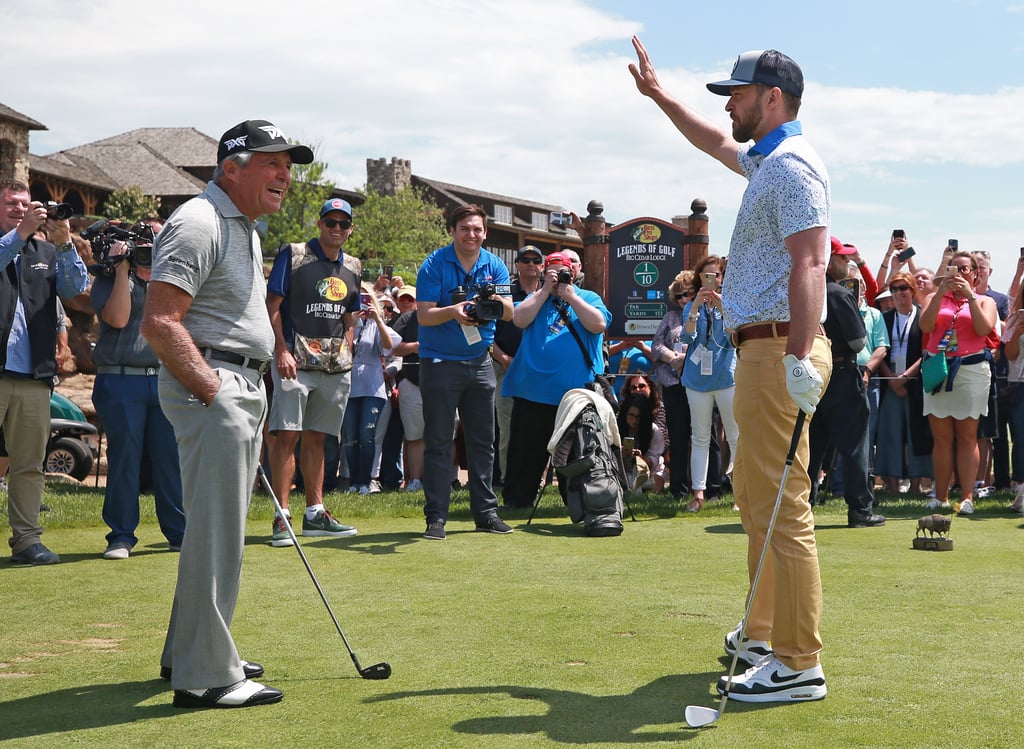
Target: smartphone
628,445
899,234
560,218
388,271
710,280
954,243
950,271
366,275
906,254
1022,251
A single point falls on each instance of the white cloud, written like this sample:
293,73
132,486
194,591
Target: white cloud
521,98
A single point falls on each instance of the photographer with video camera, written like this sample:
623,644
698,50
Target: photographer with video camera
556,320
125,392
34,273
455,366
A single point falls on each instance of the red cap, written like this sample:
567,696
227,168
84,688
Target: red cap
557,258
838,248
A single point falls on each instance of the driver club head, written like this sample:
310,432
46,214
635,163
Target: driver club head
698,717
376,671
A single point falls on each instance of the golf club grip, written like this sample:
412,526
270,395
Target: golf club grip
798,429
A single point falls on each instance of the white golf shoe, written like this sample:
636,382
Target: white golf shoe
752,652
773,681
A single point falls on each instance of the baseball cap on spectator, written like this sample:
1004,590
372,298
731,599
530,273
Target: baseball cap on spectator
838,248
262,137
336,204
406,291
526,249
768,67
557,258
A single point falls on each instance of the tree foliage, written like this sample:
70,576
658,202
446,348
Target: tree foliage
398,230
130,205
296,221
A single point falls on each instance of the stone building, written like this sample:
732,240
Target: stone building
511,222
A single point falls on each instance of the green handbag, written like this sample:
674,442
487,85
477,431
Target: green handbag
934,371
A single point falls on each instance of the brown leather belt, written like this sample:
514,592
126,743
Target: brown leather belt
763,330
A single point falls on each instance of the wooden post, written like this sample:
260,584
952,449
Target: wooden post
595,249
697,239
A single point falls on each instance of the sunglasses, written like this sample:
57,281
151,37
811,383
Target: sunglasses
899,288
344,223
528,260
388,308
684,294
638,386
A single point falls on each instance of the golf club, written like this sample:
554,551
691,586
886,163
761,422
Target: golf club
377,670
697,716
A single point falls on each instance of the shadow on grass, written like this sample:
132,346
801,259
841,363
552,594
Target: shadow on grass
653,712
370,543
84,707
731,528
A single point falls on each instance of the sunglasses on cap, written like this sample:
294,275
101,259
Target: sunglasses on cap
344,223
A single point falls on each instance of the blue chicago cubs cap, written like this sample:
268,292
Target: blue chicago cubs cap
768,67
336,204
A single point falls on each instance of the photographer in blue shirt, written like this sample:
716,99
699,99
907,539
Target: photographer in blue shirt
456,305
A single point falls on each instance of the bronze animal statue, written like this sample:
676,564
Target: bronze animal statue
934,524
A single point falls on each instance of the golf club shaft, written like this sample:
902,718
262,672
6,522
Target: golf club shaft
790,456
291,534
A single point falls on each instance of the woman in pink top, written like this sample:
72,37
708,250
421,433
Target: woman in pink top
957,322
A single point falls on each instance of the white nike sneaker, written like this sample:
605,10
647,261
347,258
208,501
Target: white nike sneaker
772,681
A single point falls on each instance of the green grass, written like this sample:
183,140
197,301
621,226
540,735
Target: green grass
540,639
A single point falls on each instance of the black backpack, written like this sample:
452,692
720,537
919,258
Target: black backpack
590,470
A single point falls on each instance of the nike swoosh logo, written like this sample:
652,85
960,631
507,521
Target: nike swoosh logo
777,679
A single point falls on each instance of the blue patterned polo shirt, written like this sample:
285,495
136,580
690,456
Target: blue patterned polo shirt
788,192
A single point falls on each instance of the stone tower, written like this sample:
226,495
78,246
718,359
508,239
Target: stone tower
387,178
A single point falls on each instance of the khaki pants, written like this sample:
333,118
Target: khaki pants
25,417
787,610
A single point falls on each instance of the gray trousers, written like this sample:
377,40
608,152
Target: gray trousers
219,450
466,387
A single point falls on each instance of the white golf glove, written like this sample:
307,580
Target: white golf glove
803,382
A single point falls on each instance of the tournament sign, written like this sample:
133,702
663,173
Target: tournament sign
644,255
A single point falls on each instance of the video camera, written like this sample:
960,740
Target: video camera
485,307
102,235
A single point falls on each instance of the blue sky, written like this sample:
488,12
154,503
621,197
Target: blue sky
915,107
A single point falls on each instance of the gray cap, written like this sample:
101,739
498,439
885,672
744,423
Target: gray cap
767,67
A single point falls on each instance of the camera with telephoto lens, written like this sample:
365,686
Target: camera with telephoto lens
103,235
486,306
58,211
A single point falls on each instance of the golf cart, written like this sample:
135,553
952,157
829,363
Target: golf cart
74,442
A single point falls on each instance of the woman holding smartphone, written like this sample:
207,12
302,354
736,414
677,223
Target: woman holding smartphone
957,322
707,373
373,339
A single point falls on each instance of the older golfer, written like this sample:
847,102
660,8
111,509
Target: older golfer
773,298
206,318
